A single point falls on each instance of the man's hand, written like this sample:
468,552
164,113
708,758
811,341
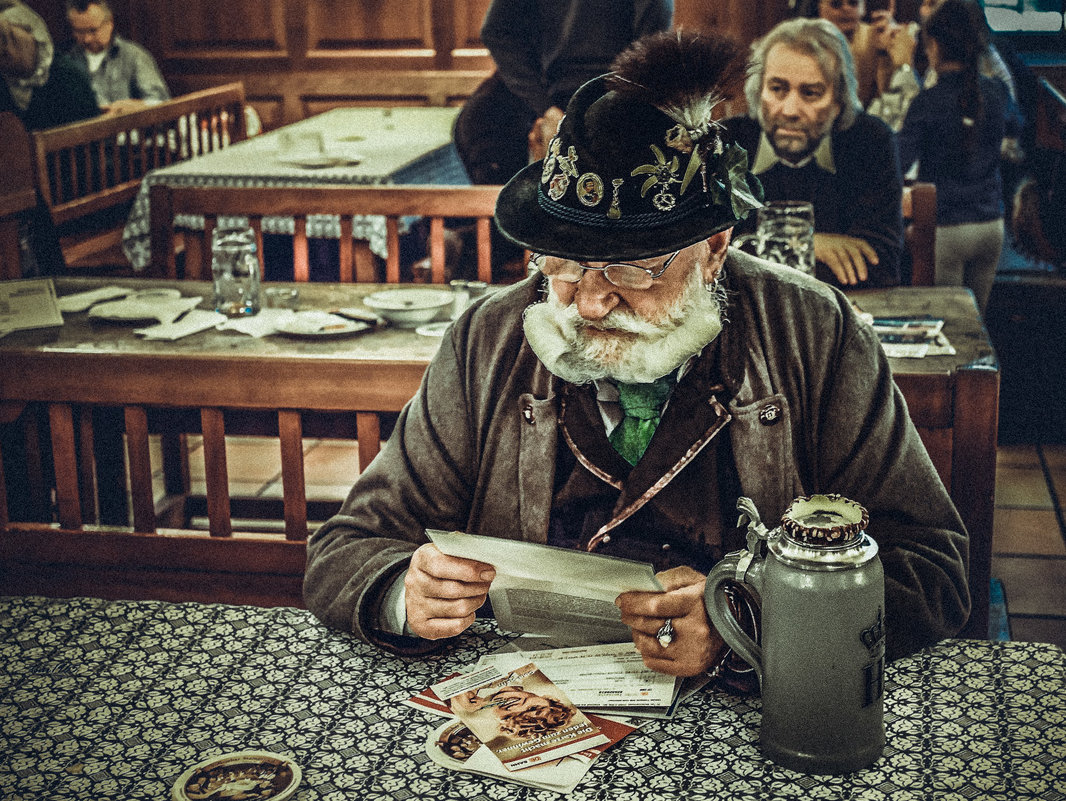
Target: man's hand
696,644
542,132
845,255
443,592
124,106
900,42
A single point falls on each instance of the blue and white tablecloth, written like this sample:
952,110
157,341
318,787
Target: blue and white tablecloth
114,700
392,145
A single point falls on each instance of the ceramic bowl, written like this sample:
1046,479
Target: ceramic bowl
410,307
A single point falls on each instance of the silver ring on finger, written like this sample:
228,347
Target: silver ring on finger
665,634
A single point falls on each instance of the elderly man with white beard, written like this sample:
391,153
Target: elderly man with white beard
621,398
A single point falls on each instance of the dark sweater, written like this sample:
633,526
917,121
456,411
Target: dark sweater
862,199
968,189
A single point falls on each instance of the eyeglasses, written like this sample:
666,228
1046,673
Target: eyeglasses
836,5
621,274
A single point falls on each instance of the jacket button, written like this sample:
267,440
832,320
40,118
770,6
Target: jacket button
770,414
527,413
666,546
606,539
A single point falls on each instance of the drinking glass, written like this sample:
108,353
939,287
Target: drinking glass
784,234
235,270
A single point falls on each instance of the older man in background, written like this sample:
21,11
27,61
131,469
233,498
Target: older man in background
621,398
812,141
124,75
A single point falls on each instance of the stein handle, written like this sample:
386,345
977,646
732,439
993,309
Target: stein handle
736,566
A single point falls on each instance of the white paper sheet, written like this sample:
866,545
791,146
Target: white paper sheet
558,592
28,303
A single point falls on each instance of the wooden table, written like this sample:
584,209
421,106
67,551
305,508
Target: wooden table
405,145
954,402
224,382
115,700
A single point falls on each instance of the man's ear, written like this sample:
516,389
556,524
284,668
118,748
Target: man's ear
717,246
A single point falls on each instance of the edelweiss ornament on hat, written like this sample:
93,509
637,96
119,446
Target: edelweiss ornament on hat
638,167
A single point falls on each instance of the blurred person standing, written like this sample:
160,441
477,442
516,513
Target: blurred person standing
954,130
124,75
543,51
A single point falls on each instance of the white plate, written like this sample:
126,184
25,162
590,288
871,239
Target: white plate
410,306
321,325
320,161
433,329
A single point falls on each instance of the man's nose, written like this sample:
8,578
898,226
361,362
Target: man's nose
791,105
596,296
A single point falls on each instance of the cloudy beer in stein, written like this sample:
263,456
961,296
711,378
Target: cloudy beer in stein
821,660
235,270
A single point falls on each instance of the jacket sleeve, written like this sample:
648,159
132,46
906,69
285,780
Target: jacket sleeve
869,450
420,479
877,200
149,84
510,33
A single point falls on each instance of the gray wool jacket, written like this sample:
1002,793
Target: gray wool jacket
475,449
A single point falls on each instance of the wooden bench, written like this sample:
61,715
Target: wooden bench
436,203
89,167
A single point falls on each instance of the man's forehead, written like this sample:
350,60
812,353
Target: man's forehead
94,13
784,62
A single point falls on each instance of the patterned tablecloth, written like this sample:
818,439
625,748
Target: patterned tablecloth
114,700
393,145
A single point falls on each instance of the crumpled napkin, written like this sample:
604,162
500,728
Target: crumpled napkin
80,301
144,306
194,322
266,322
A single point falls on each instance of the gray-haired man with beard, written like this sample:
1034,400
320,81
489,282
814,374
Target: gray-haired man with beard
625,395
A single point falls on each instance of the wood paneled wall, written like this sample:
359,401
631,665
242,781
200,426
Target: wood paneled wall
301,57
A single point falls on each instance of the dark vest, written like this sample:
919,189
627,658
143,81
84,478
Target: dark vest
676,506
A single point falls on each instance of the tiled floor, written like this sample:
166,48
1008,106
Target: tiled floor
1029,543
1029,540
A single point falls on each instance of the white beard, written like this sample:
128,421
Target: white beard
635,351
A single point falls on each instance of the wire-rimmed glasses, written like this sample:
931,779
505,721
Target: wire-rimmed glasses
622,274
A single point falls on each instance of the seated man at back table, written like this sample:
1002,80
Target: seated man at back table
812,141
124,75
622,397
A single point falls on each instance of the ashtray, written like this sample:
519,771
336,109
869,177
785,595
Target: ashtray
250,775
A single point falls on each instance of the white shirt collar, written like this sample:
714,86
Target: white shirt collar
765,157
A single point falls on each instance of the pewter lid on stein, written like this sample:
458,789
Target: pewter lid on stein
825,520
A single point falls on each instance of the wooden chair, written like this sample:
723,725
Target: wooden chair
90,167
919,219
356,262
17,195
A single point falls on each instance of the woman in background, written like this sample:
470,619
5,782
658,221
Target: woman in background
954,130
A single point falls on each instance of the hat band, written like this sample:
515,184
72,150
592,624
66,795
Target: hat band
685,209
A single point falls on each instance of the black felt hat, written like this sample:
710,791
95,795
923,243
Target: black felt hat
632,173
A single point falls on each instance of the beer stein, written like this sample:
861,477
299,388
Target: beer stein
821,660
784,235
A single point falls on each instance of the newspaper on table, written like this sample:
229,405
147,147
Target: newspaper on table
541,589
520,715
28,303
912,336
453,746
